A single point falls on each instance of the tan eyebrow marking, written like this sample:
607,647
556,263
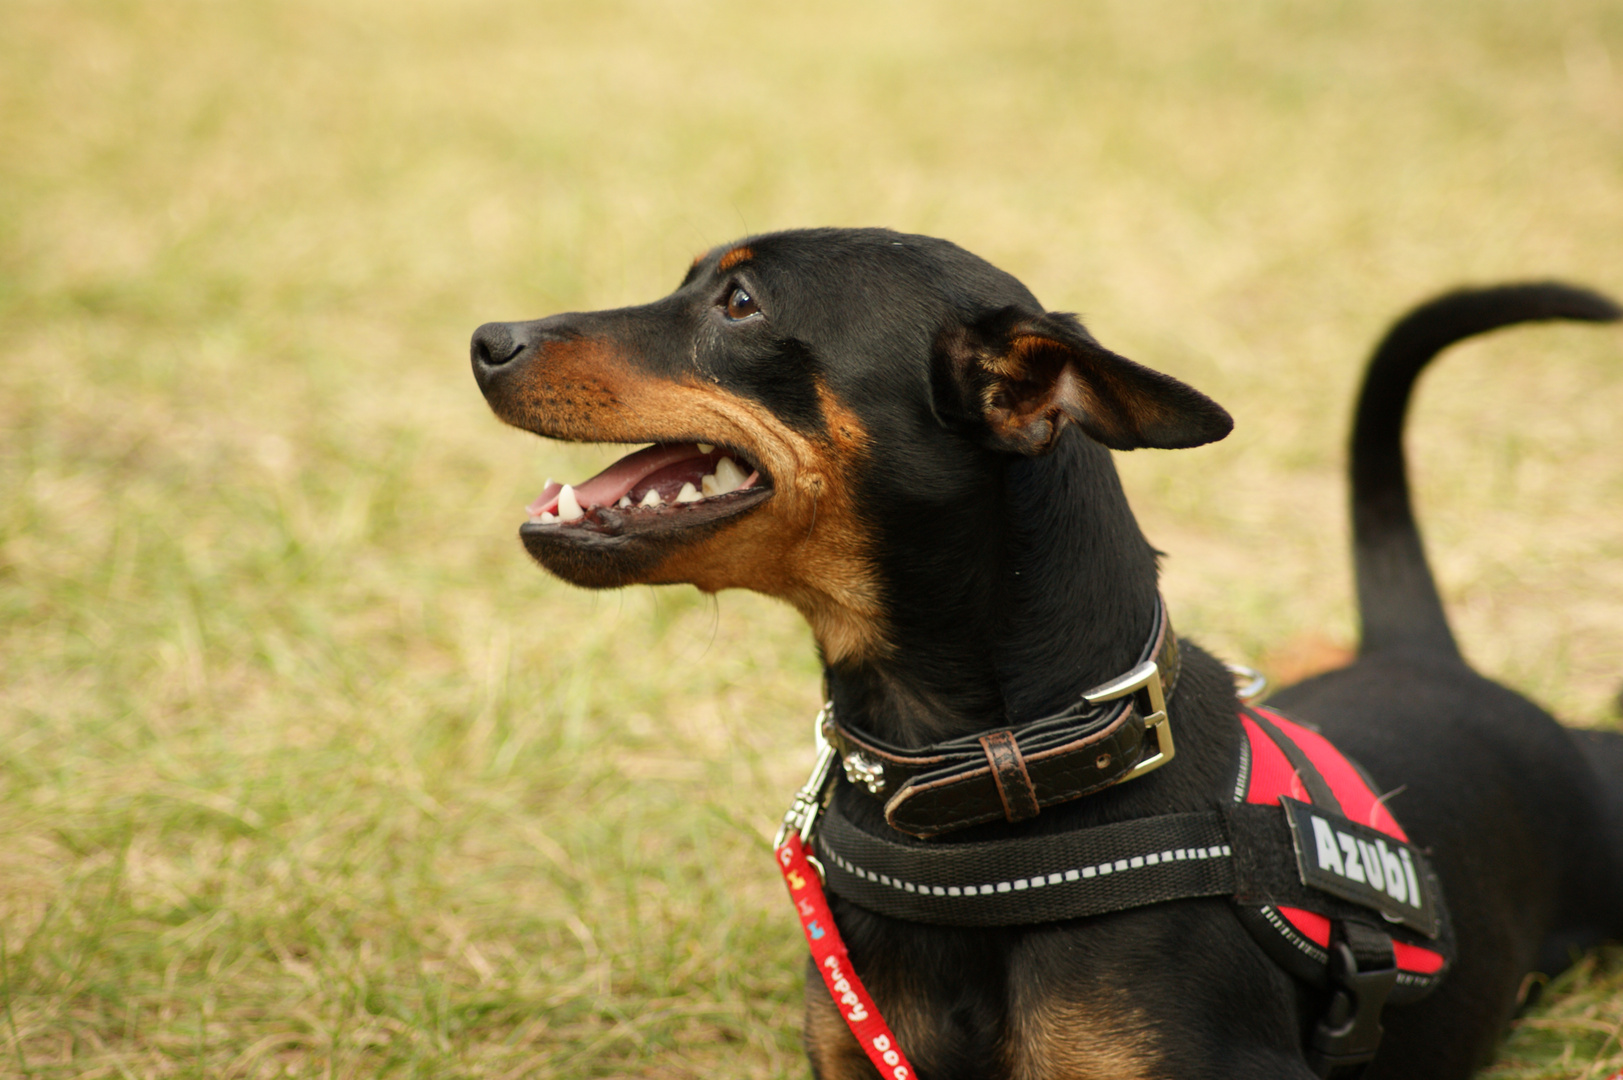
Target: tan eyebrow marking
734,257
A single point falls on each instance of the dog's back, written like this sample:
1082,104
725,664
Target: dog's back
1464,758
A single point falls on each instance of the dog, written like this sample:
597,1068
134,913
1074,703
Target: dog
896,438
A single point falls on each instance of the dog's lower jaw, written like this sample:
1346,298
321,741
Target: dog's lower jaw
800,541
842,608
612,548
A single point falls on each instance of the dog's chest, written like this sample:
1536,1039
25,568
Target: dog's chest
1062,1038
1051,1028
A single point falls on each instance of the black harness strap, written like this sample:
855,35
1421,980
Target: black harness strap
1093,871
1244,852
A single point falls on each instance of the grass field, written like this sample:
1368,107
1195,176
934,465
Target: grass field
306,771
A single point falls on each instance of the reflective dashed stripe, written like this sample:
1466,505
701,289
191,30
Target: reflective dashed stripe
1020,884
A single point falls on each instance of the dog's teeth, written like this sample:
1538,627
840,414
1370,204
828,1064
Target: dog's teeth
650,498
688,494
729,477
709,485
625,501
568,506
704,447
548,519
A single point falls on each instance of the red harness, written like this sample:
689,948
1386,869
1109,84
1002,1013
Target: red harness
1265,775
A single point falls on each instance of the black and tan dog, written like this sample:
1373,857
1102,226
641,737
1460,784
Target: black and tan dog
894,436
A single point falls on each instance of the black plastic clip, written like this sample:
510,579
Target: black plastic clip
1363,971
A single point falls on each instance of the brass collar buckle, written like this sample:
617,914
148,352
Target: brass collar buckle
1143,683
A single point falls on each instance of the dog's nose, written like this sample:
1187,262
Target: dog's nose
496,343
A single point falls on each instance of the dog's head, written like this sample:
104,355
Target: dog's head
809,395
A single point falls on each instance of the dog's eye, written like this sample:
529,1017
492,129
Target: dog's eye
741,305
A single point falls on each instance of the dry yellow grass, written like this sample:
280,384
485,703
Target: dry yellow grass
304,770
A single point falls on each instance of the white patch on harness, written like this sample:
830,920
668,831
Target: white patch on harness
1361,864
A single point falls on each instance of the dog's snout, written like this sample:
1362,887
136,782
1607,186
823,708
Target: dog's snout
495,344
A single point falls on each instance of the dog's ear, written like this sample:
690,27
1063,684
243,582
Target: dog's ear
1024,376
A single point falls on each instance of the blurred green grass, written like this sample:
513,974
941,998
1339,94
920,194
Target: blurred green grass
304,770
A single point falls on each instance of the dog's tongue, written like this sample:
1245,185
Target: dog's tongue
606,488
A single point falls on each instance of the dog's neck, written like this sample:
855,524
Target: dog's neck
1031,594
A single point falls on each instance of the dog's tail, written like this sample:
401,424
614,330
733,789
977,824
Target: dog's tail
1397,598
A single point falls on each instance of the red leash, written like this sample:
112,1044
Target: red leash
805,881
834,963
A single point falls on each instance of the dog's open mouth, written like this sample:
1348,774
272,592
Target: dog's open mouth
660,487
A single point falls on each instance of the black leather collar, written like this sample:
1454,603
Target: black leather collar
1116,732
